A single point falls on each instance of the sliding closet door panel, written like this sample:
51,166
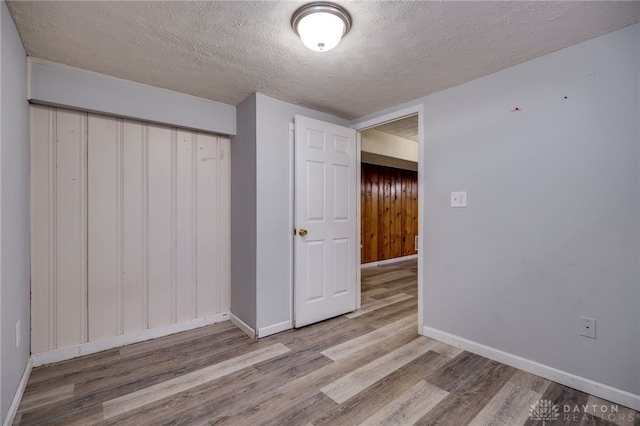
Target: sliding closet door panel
161,235
71,229
186,225
43,283
135,282
104,227
130,226
224,221
207,250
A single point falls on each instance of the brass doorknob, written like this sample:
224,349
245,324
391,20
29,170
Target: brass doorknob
302,232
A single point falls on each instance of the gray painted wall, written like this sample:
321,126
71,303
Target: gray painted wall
552,228
60,85
261,209
14,209
243,213
274,262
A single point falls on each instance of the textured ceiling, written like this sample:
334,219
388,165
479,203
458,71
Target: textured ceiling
405,128
396,51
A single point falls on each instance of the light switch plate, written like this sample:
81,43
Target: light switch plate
459,199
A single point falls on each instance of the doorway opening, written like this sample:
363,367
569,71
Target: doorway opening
389,192
390,203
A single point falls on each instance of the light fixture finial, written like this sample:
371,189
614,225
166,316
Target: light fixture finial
321,25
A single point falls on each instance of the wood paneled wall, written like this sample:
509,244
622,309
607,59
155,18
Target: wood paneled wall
389,210
130,226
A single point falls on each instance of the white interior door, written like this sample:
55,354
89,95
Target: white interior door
325,219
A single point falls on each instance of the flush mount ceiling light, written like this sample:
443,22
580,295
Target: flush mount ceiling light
321,25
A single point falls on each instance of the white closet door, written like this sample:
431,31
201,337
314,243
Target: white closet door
130,226
59,228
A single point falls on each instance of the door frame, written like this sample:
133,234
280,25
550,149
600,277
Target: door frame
374,122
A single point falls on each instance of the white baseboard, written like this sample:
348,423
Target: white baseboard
246,328
600,390
388,261
63,354
13,408
273,329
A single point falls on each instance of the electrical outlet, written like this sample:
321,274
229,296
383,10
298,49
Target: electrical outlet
588,327
459,199
18,334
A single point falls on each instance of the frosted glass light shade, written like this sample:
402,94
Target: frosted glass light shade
321,25
321,31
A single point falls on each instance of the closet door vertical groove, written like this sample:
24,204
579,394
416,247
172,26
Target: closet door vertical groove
120,230
53,220
145,225
193,285
174,226
219,218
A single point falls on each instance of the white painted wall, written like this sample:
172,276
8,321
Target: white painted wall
388,150
552,228
14,208
130,227
382,160
381,143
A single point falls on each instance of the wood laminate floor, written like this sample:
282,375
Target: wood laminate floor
369,367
